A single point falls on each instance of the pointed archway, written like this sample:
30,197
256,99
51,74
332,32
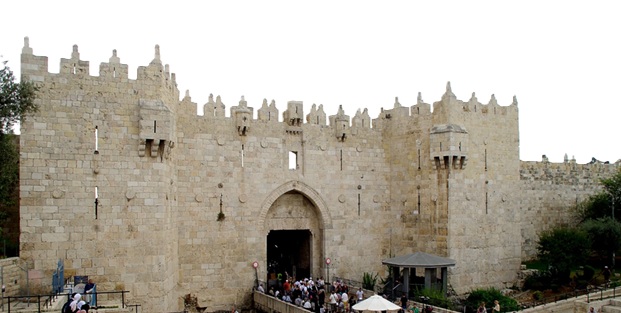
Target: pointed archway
293,218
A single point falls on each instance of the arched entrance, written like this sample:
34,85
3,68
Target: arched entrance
289,252
294,218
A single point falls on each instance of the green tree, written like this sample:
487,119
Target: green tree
605,236
563,249
603,204
17,99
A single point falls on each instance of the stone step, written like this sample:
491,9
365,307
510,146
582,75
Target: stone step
611,309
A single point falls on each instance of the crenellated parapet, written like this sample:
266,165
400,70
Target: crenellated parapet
114,69
154,81
213,108
361,119
74,66
568,172
316,116
420,108
268,113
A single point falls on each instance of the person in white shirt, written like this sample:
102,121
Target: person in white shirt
307,304
333,298
360,294
345,300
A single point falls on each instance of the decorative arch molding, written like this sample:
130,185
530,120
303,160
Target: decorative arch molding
324,223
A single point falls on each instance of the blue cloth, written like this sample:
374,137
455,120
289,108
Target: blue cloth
93,296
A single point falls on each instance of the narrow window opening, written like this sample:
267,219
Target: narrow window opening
459,146
485,159
242,155
154,126
419,159
440,146
73,70
296,109
358,204
96,140
419,201
486,202
317,120
293,160
214,111
96,200
475,108
417,110
269,116
341,160
114,72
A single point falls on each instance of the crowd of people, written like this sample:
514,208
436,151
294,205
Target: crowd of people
76,305
321,297
79,303
315,295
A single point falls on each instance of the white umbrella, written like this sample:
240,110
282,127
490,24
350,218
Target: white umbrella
375,303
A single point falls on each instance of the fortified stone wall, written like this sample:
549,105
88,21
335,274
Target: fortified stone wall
83,145
550,192
13,276
245,166
124,182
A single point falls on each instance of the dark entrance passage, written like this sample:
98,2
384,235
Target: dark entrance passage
288,253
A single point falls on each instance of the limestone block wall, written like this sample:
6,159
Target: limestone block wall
453,185
481,177
416,223
446,181
550,192
345,181
13,276
83,145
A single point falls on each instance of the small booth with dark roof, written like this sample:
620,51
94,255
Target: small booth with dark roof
431,263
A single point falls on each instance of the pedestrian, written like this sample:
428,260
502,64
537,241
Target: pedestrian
606,272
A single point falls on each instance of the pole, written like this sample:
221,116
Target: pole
328,268
613,219
3,287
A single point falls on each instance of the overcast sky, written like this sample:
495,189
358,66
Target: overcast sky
562,59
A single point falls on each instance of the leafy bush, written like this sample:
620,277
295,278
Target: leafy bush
539,280
369,280
488,296
436,297
587,273
537,295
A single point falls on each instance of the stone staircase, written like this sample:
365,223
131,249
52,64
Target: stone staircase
613,306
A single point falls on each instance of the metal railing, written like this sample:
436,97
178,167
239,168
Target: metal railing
45,302
589,294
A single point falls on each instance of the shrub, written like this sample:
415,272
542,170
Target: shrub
436,297
539,280
488,296
537,295
587,273
369,280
